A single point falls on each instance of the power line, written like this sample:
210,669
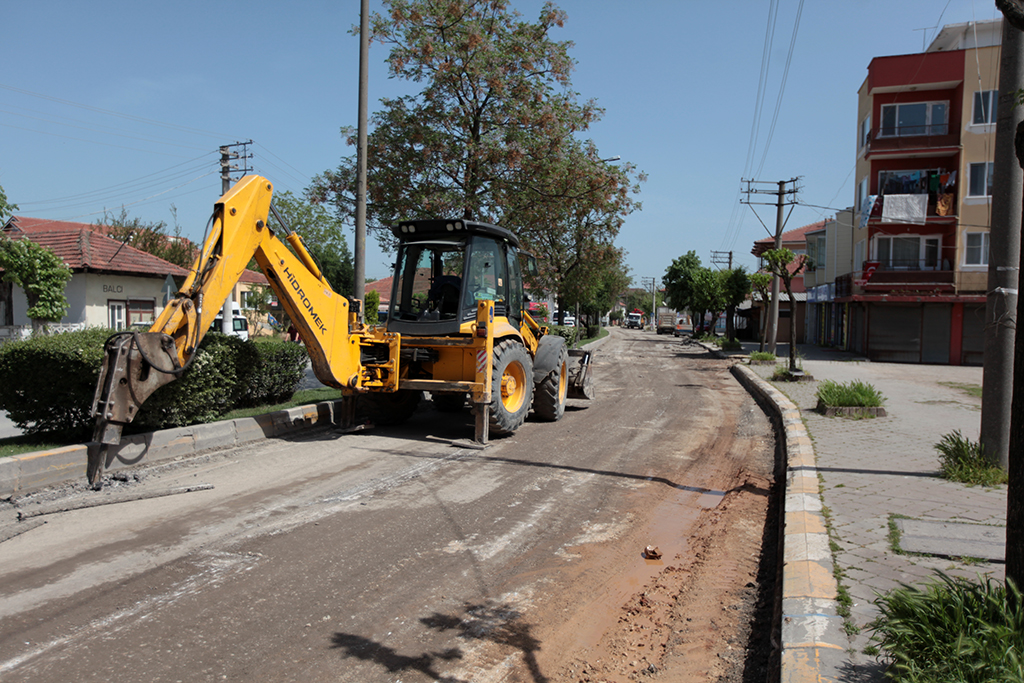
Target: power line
782,87
108,112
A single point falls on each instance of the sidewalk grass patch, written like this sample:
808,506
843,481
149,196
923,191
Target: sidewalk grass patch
850,399
963,460
952,629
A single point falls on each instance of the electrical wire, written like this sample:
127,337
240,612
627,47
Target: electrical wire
108,112
782,87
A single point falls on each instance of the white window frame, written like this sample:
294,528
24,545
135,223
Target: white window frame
865,132
922,248
987,167
928,125
862,194
984,246
859,251
989,100
117,313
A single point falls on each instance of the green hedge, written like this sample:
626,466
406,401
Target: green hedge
567,333
47,383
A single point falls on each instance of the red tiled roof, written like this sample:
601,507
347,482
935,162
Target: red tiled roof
382,287
251,277
94,251
795,236
83,249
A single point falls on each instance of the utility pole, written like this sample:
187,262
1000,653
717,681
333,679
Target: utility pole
359,255
781,201
227,322
1003,257
650,281
722,258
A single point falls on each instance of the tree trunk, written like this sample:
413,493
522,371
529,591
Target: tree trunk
730,326
792,324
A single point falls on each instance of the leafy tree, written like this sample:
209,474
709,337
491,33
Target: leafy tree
735,288
7,209
706,293
41,274
151,238
372,304
492,136
783,264
257,309
762,284
678,281
611,278
324,237
568,213
496,89
640,299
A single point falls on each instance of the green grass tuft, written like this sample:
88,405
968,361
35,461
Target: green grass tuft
762,355
952,630
856,393
963,460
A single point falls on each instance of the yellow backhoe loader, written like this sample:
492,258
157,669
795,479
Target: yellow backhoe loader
457,326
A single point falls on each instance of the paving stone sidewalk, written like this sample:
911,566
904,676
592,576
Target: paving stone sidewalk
874,471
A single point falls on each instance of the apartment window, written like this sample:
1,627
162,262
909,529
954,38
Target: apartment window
980,179
914,118
862,194
907,252
976,253
858,255
865,132
985,106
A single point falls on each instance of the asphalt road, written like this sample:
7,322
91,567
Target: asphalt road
386,556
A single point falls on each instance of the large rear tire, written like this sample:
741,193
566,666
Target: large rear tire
550,393
511,387
390,408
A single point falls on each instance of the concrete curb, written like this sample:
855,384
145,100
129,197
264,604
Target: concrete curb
21,473
813,640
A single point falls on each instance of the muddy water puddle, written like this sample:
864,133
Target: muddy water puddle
670,525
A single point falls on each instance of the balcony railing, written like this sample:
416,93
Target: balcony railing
894,139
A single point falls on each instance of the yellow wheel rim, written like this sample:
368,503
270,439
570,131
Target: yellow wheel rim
513,387
563,383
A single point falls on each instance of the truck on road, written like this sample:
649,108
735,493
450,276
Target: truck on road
665,320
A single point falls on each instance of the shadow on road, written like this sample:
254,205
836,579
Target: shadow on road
499,623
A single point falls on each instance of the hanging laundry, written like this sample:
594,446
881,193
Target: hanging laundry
905,208
869,204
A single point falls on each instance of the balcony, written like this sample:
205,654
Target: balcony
894,140
941,204
898,278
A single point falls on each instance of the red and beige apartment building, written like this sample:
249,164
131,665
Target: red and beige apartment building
915,288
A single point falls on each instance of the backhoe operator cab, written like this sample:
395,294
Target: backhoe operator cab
445,267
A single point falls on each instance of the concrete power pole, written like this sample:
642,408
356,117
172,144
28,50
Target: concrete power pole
780,203
227,322
1003,256
359,254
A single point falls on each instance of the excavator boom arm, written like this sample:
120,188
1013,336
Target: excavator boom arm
137,364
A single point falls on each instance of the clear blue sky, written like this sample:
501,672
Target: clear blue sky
108,103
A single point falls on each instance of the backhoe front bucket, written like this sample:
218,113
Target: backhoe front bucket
581,379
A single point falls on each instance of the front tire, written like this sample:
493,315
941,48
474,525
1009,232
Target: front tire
549,396
511,387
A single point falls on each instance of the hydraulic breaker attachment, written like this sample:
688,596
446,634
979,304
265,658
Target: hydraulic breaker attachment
581,379
135,364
